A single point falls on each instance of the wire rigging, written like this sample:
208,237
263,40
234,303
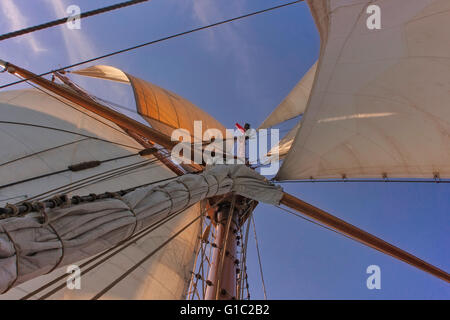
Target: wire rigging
79,110
67,131
123,245
57,22
148,256
259,258
153,42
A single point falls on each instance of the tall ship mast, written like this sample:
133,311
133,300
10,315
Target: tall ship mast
89,188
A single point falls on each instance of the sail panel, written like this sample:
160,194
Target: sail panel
84,230
295,102
167,111
379,105
164,276
162,109
42,136
39,136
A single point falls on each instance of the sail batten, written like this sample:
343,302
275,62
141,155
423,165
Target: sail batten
379,96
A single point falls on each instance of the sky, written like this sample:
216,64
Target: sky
239,72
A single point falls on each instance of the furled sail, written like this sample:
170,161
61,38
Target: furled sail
41,137
295,102
379,95
163,109
78,231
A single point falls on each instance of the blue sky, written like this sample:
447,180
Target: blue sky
238,73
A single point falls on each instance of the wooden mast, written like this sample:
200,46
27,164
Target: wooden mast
223,267
222,272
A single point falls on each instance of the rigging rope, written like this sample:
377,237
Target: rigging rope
125,243
81,111
67,131
224,245
316,223
130,270
97,178
153,42
61,171
64,20
259,258
42,151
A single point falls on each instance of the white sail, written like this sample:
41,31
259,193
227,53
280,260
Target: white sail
295,102
41,135
379,96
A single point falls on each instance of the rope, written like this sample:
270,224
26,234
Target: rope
67,131
81,111
62,171
153,42
131,240
22,206
64,20
73,186
259,259
130,270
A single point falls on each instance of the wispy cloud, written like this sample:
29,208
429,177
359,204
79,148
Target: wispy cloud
78,45
17,20
236,46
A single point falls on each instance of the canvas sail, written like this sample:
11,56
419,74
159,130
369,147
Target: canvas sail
379,95
40,137
295,102
83,230
163,110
